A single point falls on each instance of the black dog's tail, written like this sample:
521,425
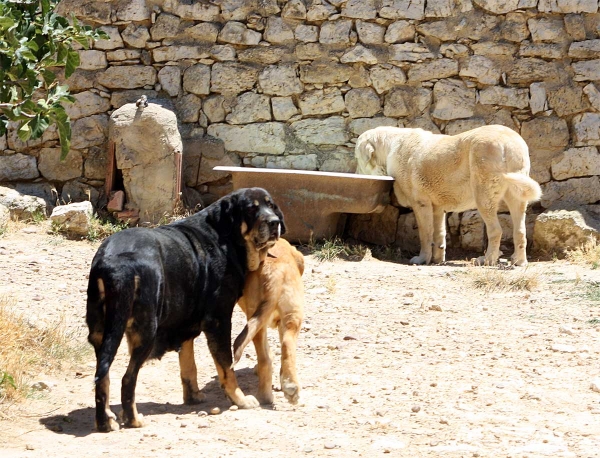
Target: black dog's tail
116,296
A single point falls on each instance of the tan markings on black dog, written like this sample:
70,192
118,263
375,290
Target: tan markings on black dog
161,287
274,296
189,374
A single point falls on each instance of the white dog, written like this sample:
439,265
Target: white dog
435,174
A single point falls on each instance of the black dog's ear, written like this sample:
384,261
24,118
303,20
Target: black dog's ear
226,217
280,216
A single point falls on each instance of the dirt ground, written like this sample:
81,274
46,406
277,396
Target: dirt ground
394,359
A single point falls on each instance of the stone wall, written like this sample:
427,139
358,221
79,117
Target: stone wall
291,84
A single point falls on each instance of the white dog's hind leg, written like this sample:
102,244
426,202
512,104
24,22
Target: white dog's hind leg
439,236
424,216
517,210
494,233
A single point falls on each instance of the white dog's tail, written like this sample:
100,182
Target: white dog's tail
523,187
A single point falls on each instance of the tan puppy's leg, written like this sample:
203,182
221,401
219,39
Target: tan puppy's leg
289,328
189,374
439,235
517,212
424,216
264,367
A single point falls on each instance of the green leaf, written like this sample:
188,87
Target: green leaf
49,76
72,63
61,53
24,132
83,41
63,123
38,126
45,7
6,22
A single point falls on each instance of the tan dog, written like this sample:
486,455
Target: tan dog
274,296
435,174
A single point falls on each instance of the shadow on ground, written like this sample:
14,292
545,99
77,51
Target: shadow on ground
80,422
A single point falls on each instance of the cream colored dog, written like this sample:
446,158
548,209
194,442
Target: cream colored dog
435,174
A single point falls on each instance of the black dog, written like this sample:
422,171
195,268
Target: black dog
162,287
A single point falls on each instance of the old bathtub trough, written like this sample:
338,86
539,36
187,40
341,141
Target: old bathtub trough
312,202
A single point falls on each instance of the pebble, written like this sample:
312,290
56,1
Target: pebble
329,445
202,413
233,408
415,409
566,330
435,308
215,411
563,348
29,447
443,421
40,386
595,385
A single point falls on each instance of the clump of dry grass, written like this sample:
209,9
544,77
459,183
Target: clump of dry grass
588,253
336,248
26,349
493,279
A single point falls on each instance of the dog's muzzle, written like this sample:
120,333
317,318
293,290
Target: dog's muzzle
269,231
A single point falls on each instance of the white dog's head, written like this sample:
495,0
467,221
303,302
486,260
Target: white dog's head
368,162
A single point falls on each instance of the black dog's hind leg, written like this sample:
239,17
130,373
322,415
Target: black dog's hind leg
106,420
189,374
140,346
218,336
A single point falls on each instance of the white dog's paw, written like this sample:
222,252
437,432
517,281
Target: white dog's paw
419,260
519,262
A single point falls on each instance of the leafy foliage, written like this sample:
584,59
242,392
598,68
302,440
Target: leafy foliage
34,40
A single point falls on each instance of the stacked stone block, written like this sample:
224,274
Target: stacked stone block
291,84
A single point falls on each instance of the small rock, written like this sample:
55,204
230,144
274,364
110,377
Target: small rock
415,409
435,308
563,348
443,421
595,385
203,423
29,447
183,425
329,445
215,411
40,386
202,413
233,408
404,323
349,338
566,330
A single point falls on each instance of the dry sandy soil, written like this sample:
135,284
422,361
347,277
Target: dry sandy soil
394,359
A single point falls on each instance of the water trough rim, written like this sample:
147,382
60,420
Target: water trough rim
224,168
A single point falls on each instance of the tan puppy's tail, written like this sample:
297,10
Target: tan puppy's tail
255,324
523,187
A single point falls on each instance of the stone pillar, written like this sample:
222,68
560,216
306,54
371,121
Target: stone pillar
148,150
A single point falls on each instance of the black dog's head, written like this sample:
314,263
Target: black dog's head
257,219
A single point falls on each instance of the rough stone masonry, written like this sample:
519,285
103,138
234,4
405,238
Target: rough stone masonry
291,84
